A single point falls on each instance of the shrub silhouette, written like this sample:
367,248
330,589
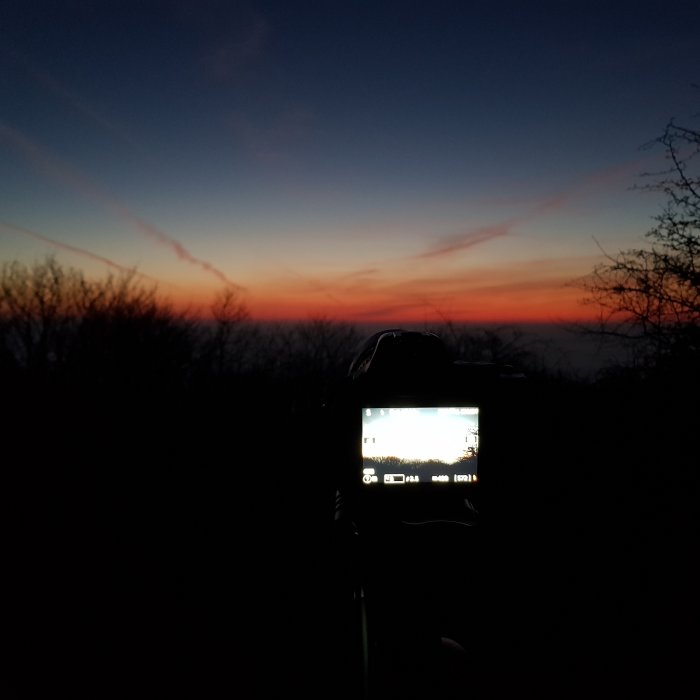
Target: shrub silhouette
58,323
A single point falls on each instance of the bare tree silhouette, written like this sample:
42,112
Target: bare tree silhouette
650,297
38,307
317,352
231,340
55,321
502,345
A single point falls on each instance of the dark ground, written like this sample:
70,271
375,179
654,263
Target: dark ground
168,547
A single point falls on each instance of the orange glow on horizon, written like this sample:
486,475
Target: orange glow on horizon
529,291
517,305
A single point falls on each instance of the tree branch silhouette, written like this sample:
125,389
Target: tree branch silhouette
650,296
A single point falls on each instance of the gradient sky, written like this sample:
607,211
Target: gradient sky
364,160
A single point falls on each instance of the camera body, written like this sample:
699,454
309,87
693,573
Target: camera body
420,429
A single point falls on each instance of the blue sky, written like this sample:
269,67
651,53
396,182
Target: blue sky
364,160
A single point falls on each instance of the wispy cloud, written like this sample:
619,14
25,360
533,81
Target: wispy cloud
469,239
83,252
314,285
363,273
528,290
236,53
51,166
390,311
472,237
69,97
271,139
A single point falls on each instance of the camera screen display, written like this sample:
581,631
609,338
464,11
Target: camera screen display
420,445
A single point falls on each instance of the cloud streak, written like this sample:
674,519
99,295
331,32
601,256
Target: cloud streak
450,245
71,249
52,167
74,101
483,234
314,285
232,57
271,140
468,239
529,290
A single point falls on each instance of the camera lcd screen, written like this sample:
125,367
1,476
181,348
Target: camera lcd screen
419,445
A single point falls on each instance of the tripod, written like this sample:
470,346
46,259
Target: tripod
405,593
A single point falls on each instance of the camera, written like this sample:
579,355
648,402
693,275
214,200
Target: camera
420,438
420,429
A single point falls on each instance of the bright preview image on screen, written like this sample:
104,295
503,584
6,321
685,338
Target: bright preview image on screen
420,445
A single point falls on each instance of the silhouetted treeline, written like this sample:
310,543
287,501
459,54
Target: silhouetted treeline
57,325
118,334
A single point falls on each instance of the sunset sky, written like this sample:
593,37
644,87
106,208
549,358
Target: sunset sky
365,160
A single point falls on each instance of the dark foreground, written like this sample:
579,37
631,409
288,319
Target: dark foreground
169,547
